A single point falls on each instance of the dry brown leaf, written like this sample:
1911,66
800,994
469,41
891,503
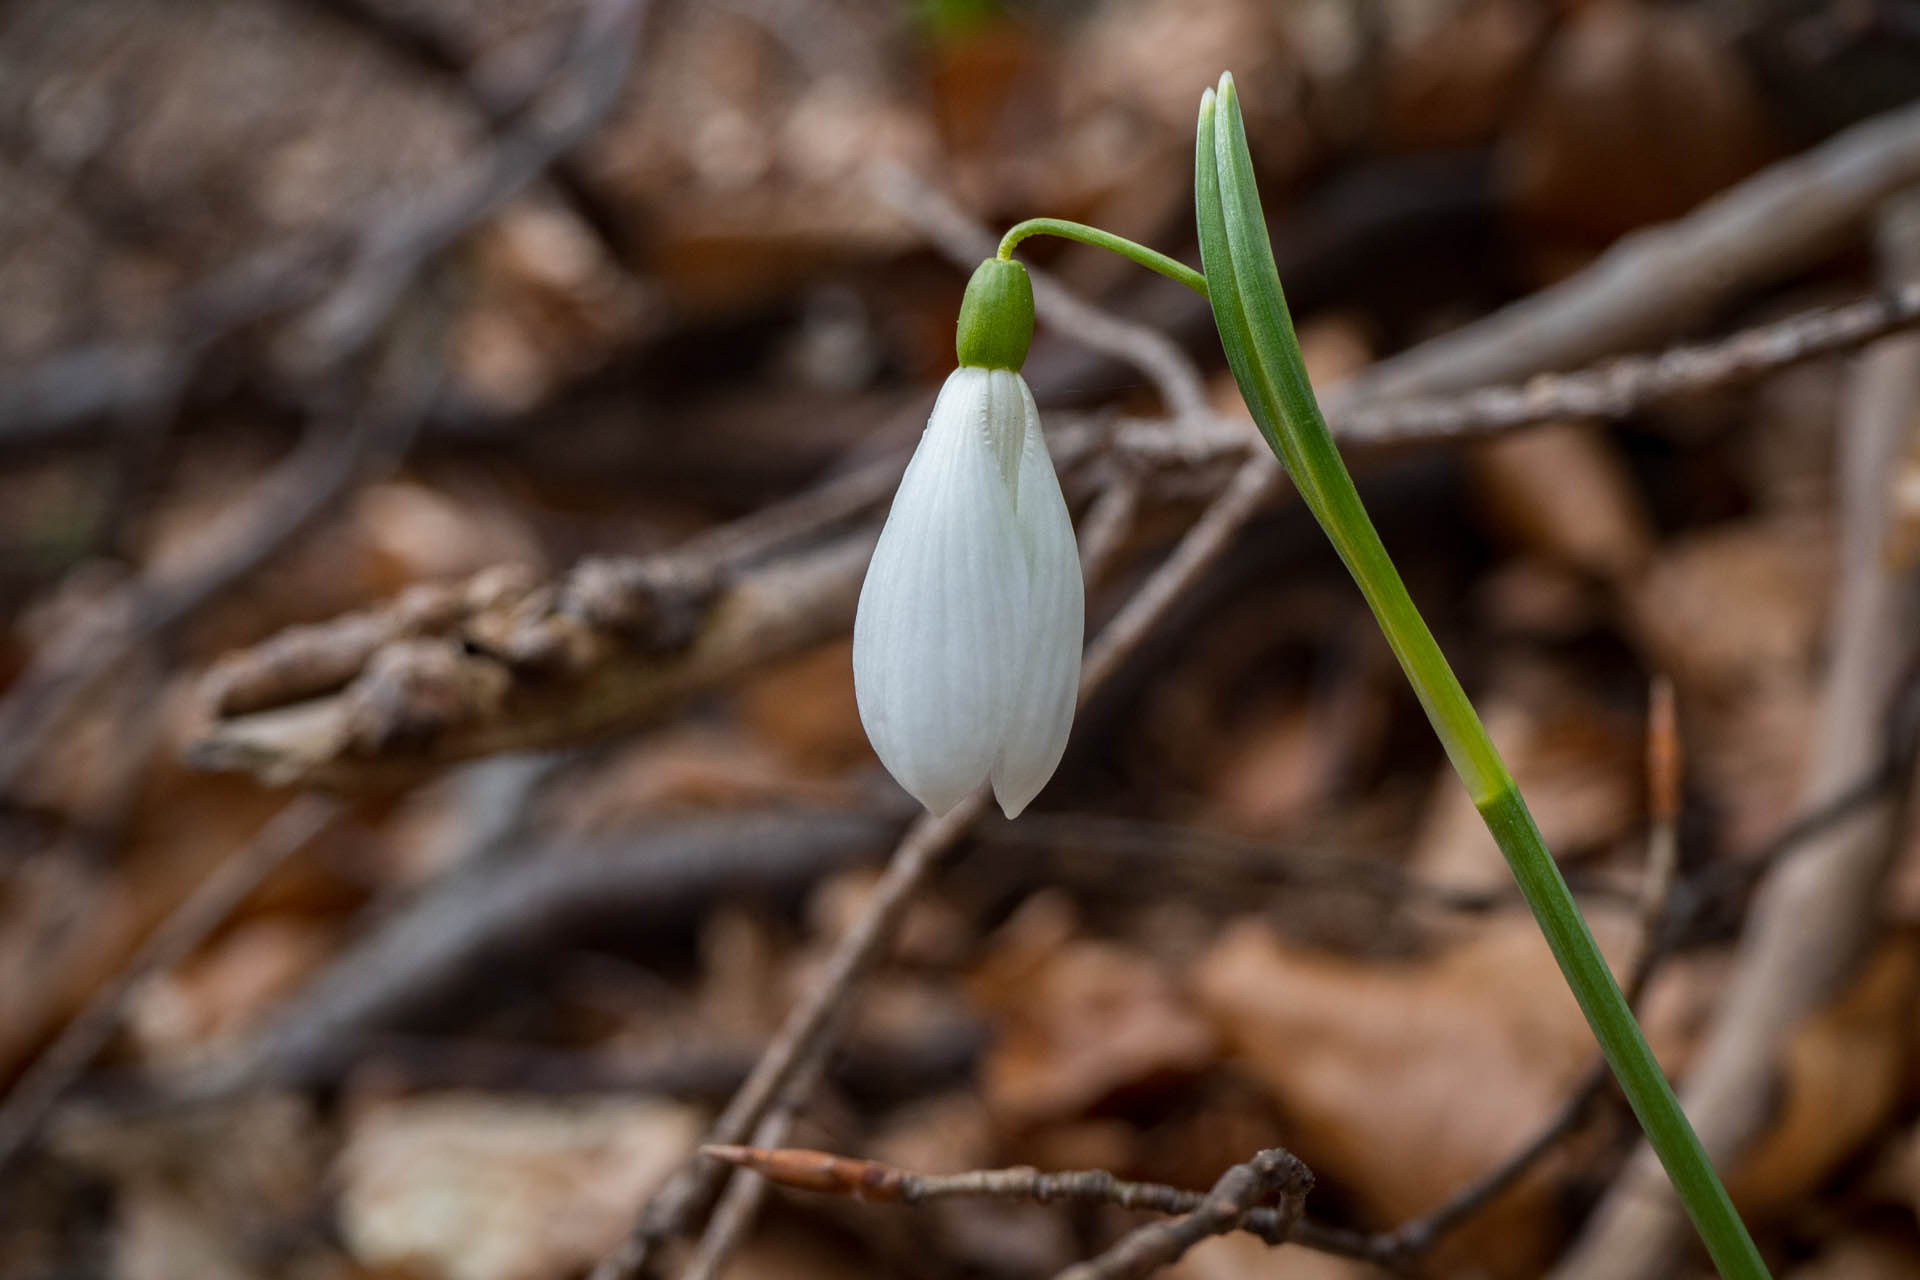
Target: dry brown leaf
413,533
1562,492
1638,113
225,989
193,1186
1238,1256
1334,348
1845,1070
162,1235
65,929
803,707
484,1188
1279,770
1453,68
931,933
1862,1257
1402,1082
1534,597
1121,96
1735,615
1076,1020
741,975
1737,607
1255,734
779,1256
689,767
549,304
746,175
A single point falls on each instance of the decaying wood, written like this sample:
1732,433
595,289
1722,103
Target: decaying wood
498,663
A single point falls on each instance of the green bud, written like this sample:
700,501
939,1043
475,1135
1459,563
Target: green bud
996,317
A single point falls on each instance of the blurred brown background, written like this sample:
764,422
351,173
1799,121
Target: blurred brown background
439,444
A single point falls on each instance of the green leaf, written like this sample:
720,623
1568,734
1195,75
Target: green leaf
1256,332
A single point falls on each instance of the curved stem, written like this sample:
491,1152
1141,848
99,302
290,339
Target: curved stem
1151,259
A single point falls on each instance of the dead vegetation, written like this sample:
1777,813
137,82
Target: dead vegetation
440,444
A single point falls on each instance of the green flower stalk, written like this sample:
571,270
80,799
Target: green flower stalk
1243,285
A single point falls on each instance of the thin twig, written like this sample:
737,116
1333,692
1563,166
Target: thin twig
211,903
1621,387
1252,486
1613,389
1271,1173
669,1212
733,1217
738,1206
1664,279
1104,529
882,1183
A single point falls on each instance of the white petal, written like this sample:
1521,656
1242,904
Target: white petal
1048,684
939,611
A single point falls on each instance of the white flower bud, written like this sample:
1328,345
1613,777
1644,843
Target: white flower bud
966,645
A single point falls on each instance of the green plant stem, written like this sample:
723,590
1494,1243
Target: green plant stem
1256,331
1151,259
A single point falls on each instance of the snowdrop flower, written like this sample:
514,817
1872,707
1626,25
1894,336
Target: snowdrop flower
966,644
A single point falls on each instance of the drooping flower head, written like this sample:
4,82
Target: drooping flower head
966,643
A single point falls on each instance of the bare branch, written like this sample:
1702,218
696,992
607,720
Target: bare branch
675,1205
733,1217
1621,387
1238,1201
1271,1173
1253,485
421,951
1664,279
498,665
882,1183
